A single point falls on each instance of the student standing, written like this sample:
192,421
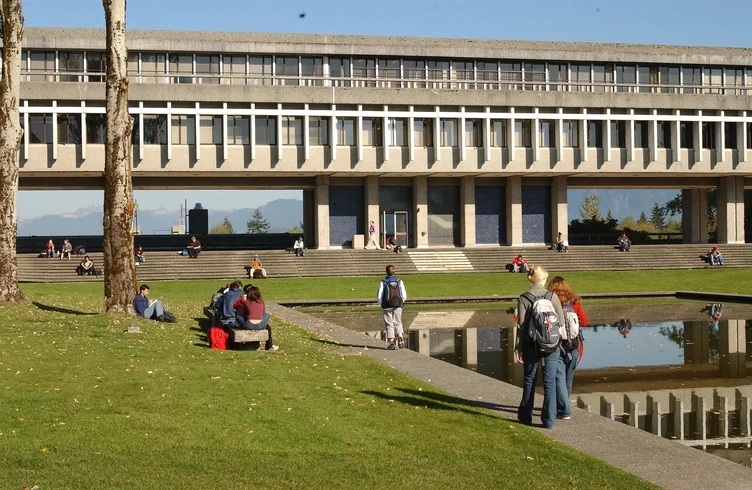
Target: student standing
392,296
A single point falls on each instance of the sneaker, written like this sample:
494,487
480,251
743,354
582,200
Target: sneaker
273,348
563,417
391,346
401,343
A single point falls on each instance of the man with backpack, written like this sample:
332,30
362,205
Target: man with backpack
392,297
151,309
538,346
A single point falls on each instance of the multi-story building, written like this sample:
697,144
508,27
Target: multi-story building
438,141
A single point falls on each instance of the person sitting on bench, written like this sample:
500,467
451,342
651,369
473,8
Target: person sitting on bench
251,314
225,305
256,266
86,267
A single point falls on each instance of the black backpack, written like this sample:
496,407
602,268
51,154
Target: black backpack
167,317
392,291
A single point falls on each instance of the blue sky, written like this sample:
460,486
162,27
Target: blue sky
687,22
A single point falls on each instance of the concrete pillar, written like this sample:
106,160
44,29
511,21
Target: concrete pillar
309,217
741,139
607,138
510,135
461,134
373,211
731,210
559,136
732,338
559,212
697,130
653,137
696,343
676,408
695,215
584,137
720,139
410,135
700,421
676,138
437,135
321,202
487,137
422,338
420,204
535,125
514,210
630,129
742,408
470,346
467,213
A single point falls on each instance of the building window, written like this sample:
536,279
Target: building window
570,134
96,66
292,130
41,66
749,135
389,73
40,128
413,70
557,77
463,72
641,134
318,131
535,76
371,135
438,71
734,81
132,65
580,78
618,134
152,67
69,129
70,62
595,134
603,78
664,134
643,79
474,133
364,72
511,73
448,133
708,135
713,80
265,130
346,127
238,130
181,65
686,135
96,129
691,79
260,70
488,74
397,132
233,69
287,70
339,72
626,78
135,138
155,129
207,67
423,133
312,71
729,135
668,78
523,135
183,129
499,133
547,137
210,130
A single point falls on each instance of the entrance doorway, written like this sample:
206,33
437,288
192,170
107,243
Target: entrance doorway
395,223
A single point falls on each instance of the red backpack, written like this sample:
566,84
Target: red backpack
218,338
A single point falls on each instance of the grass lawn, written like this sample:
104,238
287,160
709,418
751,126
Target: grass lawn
85,405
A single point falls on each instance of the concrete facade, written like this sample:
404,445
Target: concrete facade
293,111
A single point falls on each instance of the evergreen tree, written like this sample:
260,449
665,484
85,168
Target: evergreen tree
658,217
609,216
223,228
590,208
643,221
628,222
257,223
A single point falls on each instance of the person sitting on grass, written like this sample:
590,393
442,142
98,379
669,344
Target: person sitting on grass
151,309
86,267
714,256
251,314
625,244
519,264
194,248
67,250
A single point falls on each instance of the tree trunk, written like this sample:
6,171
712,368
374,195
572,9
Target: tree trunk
119,263
10,145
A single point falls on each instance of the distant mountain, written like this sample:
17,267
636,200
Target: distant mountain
282,214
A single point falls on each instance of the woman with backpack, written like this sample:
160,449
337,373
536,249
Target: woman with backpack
539,312
569,329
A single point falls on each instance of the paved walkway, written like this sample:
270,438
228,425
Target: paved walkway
655,459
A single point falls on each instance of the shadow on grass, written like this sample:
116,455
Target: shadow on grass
355,346
427,402
58,309
202,328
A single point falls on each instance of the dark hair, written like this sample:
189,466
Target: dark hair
388,269
254,294
143,287
247,288
236,285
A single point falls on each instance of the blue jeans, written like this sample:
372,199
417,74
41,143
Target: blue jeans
551,364
156,307
563,393
241,322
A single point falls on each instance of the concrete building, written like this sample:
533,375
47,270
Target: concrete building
441,142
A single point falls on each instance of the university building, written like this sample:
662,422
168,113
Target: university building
441,142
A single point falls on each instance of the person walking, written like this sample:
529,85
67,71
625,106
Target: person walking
529,353
574,319
392,296
372,236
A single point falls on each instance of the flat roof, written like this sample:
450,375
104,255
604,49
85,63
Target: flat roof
386,46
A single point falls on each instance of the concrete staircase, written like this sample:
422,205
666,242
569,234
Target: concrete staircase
323,263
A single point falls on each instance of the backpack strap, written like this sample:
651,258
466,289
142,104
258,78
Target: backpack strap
566,323
530,297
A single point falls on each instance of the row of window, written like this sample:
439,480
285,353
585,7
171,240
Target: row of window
81,66
183,128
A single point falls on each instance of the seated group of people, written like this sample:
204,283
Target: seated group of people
714,256
67,250
391,244
243,309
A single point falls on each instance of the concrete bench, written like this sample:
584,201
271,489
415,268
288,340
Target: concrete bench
242,335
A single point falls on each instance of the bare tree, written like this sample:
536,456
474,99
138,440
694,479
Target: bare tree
119,266
10,144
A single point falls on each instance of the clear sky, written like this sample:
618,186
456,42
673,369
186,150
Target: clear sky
684,22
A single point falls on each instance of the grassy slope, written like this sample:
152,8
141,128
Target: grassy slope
85,405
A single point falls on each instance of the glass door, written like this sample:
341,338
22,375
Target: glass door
395,224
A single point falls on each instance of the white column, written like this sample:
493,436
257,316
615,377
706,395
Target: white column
321,201
630,128
253,131
307,134
514,210
730,197
83,124
487,136
697,129
420,204
584,137
535,123
741,138
26,132
411,135
224,131
720,139
607,137
54,125
461,134
279,132
141,132
359,139
437,135
467,213
559,135
559,216
333,134
653,137
372,205
510,135
169,131
676,138
196,120
385,133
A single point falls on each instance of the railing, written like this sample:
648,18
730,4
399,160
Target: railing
433,80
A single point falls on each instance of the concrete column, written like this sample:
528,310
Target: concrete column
741,139
514,210
437,135
559,136
696,342
385,133
731,210
653,138
279,133
630,129
733,348
487,137
720,139
559,216
470,346
607,138
695,215
697,130
510,135
420,205
584,138
333,134
309,217
422,339
535,127
306,134
224,131
321,213
467,213
676,139
359,138
253,131
461,134
411,135
373,210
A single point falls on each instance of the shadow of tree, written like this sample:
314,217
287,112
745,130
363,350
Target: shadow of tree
58,309
356,346
427,402
453,400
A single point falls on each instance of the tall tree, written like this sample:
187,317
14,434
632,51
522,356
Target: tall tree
658,217
10,145
590,209
119,268
257,223
643,221
223,228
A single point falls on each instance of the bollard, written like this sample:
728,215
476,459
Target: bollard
676,406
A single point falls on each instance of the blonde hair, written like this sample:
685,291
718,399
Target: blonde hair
537,275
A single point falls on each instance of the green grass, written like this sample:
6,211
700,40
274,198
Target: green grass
85,405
